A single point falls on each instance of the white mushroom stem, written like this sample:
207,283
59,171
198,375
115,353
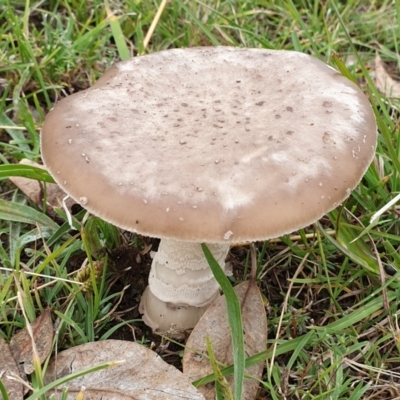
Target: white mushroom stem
181,285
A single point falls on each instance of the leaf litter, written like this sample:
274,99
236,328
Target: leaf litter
21,343
17,358
143,374
8,370
385,82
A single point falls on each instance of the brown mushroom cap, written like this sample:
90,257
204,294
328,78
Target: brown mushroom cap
212,144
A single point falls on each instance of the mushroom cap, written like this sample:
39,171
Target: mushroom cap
212,144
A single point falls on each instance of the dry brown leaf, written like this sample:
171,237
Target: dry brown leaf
143,376
15,390
21,343
384,82
214,323
35,189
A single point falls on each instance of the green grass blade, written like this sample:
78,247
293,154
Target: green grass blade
25,171
15,131
235,321
198,23
118,35
22,213
3,391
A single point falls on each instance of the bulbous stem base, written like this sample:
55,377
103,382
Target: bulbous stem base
181,285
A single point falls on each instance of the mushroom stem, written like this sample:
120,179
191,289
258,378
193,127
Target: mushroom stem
181,285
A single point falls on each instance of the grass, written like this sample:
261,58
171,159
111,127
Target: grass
332,301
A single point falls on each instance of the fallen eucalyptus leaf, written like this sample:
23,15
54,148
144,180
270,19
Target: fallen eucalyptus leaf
8,367
214,324
143,376
21,343
384,82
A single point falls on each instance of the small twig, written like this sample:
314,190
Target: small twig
18,128
284,307
382,275
293,238
42,276
365,369
55,280
253,271
376,216
20,293
153,25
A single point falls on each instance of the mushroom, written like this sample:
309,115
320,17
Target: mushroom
209,145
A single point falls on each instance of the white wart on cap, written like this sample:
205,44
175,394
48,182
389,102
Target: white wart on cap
212,144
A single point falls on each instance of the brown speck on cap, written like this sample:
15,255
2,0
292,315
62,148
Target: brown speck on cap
263,188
